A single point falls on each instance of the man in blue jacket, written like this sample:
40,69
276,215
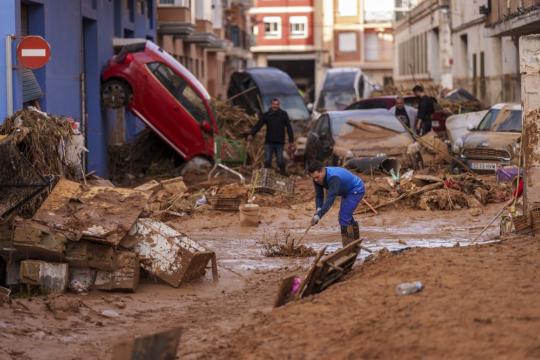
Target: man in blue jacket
337,181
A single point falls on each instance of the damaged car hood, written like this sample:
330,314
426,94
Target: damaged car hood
367,140
490,139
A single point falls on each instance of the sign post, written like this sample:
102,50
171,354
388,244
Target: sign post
33,52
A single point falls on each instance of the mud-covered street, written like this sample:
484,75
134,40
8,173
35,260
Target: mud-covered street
467,294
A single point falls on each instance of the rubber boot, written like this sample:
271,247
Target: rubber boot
344,236
356,230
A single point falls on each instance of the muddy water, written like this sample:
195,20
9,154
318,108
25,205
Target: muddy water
239,251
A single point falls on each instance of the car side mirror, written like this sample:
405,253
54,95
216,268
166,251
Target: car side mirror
471,127
205,125
310,107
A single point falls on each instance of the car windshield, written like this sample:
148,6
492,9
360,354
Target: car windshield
335,100
344,123
501,120
181,90
292,104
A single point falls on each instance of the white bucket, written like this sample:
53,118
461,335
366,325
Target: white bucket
249,214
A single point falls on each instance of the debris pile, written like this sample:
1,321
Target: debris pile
429,192
87,237
234,123
146,155
52,144
284,244
35,147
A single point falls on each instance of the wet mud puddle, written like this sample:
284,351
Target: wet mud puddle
241,251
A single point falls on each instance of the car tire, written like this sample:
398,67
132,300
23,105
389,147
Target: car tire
115,94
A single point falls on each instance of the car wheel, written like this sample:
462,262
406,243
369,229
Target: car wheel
115,94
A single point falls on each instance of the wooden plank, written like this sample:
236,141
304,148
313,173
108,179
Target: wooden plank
284,291
159,346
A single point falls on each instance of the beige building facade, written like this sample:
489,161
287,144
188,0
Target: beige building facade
209,37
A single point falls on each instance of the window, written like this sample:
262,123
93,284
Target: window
371,47
298,27
379,11
347,7
180,3
347,42
272,27
181,90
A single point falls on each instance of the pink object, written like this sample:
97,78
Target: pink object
297,281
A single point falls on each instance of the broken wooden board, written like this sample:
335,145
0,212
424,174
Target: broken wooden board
284,294
125,277
160,346
96,213
36,240
331,268
86,254
170,255
149,186
49,277
175,186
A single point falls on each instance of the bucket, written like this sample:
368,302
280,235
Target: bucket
249,214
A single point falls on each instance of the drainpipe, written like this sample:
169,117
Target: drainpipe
9,75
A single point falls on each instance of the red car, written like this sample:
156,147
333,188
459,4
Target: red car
165,95
386,102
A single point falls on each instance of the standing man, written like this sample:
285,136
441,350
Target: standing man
406,114
276,121
426,108
337,181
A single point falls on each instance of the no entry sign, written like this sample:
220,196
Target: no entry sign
33,52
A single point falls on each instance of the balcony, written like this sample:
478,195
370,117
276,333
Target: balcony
175,20
205,36
203,26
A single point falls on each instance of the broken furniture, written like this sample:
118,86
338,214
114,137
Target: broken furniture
169,255
325,271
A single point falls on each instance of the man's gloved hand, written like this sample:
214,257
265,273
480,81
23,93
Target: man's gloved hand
315,220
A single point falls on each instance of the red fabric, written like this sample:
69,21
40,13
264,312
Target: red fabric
519,190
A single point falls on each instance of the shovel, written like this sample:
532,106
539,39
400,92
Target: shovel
304,234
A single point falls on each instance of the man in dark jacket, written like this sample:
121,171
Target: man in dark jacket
426,108
338,182
276,121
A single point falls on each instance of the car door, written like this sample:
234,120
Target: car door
326,141
313,144
177,110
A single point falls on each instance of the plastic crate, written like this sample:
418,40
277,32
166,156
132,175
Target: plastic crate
269,182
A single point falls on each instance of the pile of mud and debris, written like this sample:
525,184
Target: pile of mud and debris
86,237
435,192
284,244
35,147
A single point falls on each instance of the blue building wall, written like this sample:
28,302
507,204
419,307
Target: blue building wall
81,34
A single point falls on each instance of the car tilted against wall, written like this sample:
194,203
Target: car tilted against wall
163,94
495,141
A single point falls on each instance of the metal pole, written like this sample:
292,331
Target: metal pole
9,76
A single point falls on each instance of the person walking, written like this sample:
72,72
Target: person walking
277,122
426,108
337,181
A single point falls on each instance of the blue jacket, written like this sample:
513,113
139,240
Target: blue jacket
338,181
